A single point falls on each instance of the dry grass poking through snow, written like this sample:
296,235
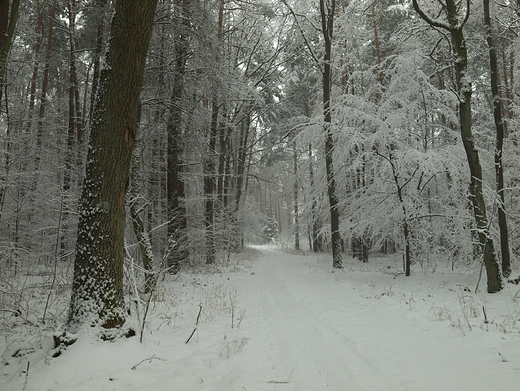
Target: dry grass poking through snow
34,302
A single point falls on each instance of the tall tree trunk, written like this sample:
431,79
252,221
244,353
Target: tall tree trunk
140,232
464,89
327,23
43,94
100,8
74,124
223,137
317,244
7,29
97,288
209,163
240,173
4,20
296,212
36,66
377,44
177,221
499,125
209,185
241,162
406,224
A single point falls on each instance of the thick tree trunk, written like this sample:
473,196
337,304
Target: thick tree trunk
97,288
499,125
4,20
327,22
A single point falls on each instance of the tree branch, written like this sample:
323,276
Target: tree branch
303,35
428,19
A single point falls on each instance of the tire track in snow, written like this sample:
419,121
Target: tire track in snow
306,343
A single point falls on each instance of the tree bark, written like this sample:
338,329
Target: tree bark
327,23
499,125
241,157
4,20
100,7
377,44
74,127
97,288
36,67
74,124
224,135
209,185
43,94
7,30
177,220
209,163
296,212
317,245
140,232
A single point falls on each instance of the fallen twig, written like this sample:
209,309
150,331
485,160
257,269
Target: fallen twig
196,324
149,359
26,375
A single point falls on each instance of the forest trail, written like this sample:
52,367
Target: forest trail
304,343
298,325
317,331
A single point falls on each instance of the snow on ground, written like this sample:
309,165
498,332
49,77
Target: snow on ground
290,322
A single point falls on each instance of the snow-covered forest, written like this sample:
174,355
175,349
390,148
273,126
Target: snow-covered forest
304,188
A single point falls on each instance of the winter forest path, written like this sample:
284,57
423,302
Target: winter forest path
317,330
305,343
298,325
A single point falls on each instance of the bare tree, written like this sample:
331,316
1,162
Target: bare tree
177,221
454,24
499,125
327,10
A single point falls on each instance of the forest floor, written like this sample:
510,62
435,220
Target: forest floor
272,320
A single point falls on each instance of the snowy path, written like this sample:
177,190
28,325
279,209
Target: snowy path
304,341
313,332
306,328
